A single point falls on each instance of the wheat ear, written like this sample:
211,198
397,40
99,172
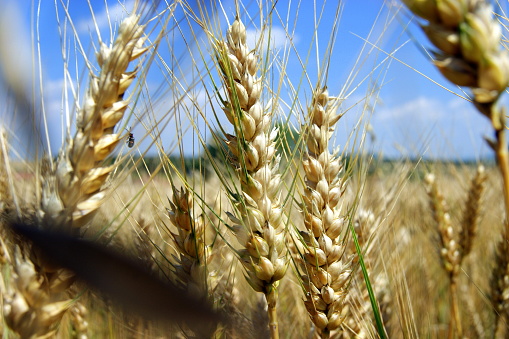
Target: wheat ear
260,226
190,242
79,314
75,192
455,246
450,249
35,304
472,211
449,237
325,272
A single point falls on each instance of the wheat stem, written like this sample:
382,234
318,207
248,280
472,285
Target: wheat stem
273,323
455,315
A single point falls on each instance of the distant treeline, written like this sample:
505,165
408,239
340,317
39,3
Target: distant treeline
202,163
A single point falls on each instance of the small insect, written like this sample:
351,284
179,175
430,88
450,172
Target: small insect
130,139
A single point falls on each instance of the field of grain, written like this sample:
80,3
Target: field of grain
219,202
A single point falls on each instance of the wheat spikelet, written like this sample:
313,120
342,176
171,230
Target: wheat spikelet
325,273
261,223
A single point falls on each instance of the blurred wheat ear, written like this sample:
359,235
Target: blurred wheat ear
126,283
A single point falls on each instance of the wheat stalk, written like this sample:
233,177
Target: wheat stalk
260,225
456,245
325,273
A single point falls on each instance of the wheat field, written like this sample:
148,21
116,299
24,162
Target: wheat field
201,177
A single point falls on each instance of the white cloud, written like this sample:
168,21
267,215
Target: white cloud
421,108
112,14
450,128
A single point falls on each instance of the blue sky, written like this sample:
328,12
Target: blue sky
411,115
